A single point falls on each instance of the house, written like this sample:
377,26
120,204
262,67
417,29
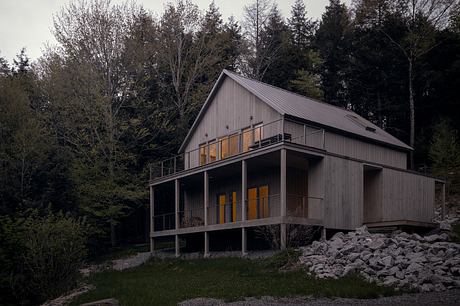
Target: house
259,155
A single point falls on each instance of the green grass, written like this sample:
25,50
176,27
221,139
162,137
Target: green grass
169,281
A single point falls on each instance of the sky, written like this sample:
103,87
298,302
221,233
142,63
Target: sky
28,23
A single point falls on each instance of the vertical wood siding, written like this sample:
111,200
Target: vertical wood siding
343,193
407,196
232,106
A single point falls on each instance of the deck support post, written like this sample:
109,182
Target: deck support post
244,177
283,234
152,225
206,244
206,197
176,202
323,233
443,201
283,173
177,242
244,246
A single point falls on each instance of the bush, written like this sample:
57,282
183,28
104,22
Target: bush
42,256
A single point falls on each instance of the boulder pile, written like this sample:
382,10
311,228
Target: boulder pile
399,259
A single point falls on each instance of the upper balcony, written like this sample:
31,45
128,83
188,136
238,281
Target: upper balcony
239,143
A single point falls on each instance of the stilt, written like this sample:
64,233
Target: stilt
177,246
283,236
152,246
323,233
244,241
206,244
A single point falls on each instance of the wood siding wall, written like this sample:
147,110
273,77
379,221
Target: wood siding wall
343,193
232,107
407,196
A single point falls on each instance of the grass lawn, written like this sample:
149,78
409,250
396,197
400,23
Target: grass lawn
169,281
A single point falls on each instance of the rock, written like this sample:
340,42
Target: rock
376,244
362,230
387,261
445,226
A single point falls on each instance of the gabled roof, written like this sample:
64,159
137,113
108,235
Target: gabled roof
290,104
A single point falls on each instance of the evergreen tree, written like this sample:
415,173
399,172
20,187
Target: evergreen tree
333,42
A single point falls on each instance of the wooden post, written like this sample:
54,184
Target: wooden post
283,234
283,174
324,140
177,245
305,134
244,241
206,244
176,202
206,197
152,225
443,201
244,174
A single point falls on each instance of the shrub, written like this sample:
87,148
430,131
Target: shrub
43,255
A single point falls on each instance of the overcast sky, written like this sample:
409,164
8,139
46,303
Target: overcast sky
27,23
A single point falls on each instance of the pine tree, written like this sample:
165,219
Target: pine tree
333,39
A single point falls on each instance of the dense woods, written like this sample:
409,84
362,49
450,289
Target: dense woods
79,126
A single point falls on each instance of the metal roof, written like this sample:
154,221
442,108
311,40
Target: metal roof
291,104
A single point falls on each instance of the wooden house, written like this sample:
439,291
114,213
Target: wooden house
259,155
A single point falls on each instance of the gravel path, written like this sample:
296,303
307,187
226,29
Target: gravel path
446,298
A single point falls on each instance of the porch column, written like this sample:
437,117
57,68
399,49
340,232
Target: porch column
206,197
244,187
206,244
283,174
443,201
152,227
176,209
177,246
244,237
244,174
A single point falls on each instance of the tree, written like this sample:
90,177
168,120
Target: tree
255,19
421,19
333,42
445,154
94,117
275,49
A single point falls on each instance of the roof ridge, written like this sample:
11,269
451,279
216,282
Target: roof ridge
288,91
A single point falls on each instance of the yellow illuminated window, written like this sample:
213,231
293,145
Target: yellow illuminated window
224,147
258,132
247,139
233,145
212,152
203,154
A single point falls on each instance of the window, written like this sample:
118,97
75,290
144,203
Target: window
223,147
203,154
233,145
212,152
247,139
258,132
233,200
221,200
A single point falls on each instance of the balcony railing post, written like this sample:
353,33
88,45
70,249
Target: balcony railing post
305,134
323,140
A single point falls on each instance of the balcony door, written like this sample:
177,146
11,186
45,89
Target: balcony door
221,201
258,202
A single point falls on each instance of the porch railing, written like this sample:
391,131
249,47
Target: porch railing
240,142
301,206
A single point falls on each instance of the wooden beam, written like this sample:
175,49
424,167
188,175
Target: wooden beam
283,173
176,202
177,245
443,201
206,244
152,225
206,197
244,241
244,177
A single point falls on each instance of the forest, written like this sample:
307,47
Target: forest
80,125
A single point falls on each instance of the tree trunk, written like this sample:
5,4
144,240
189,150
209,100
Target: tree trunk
411,115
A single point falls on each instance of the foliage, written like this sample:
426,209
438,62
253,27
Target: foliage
296,235
170,281
445,154
40,255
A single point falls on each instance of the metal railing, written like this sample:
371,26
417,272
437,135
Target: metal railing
300,206
240,142
303,206
164,222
